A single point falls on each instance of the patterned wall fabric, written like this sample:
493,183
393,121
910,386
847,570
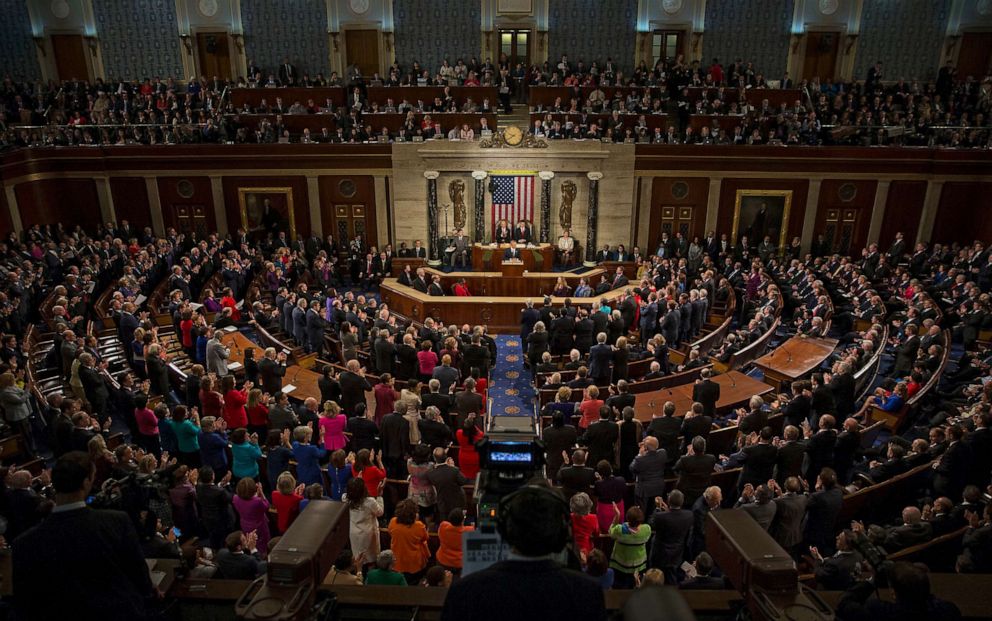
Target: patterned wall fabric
431,30
589,30
756,31
911,50
17,52
138,38
275,29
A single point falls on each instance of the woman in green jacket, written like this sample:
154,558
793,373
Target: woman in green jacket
630,555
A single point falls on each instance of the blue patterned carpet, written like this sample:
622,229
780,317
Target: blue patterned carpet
510,390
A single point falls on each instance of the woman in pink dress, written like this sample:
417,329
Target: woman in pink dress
333,424
253,511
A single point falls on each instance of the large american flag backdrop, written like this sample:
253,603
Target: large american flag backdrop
513,199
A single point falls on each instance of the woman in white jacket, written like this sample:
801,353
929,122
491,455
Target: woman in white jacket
365,512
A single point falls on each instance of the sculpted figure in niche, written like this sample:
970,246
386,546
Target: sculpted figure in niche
456,191
568,191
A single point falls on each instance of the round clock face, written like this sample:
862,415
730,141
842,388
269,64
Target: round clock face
60,9
208,8
671,6
828,7
513,135
984,7
359,6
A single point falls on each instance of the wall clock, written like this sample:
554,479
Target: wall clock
359,6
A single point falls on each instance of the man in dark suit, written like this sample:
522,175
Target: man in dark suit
271,370
600,360
532,586
435,289
648,469
695,424
980,443
577,477
601,438
667,429
822,511
820,447
522,233
703,580
503,233
287,73
394,433
619,279
706,392
513,252
695,470
468,402
798,409
906,352
434,432
622,399
442,401
420,281
671,526
758,459
96,553
669,324
353,387
791,452
835,572
952,470
528,317
448,480
787,529
235,561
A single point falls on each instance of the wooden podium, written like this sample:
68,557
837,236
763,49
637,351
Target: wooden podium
513,269
794,358
489,258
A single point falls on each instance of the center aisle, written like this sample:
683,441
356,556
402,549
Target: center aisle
510,390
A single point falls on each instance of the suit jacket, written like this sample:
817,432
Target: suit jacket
671,530
952,470
836,573
759,464
787,529
237,566
821,516
667,429
447,481
511,253
842,386
601,439
600,358
649,470
707,393
821,451
695,473
91,549
575,479
353,389
789,461
217,355
466,403
395,434
270,373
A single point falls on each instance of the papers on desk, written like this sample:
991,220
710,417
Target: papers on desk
230,329
233,366
288,388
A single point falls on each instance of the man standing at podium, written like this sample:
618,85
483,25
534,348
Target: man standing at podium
512,252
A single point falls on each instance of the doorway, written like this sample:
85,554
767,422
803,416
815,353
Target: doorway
515,44
975,56
213,55
821,55
840,229
362,49
667,45
70,57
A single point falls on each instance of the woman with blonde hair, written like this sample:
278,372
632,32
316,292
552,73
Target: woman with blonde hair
333,423
286,498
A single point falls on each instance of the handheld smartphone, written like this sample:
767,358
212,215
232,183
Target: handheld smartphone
176,532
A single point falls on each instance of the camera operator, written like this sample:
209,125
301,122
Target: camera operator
535,522
910,583
95,554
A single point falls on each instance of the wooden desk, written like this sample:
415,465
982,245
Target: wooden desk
500,313
399,263
512,282
794,358
237,343
536,259
736,389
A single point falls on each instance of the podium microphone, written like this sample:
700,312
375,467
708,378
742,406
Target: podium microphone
789,353
733,380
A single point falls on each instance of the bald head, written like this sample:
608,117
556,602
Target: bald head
651,443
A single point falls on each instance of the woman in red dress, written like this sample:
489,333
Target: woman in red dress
468,458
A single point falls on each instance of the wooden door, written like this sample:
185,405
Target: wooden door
667,44
213,55
841,229
515,43
190,218
352,221
70,57
821,55
675,219
362,49
975,56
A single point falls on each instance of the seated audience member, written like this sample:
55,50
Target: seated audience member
238,560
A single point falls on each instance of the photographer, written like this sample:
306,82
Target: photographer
534,521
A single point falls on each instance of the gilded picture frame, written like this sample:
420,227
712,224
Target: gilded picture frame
251,202
774,221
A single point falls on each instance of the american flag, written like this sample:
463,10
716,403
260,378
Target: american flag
513,199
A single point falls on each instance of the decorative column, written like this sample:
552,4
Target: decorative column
433,239
546,177
479,206
591,219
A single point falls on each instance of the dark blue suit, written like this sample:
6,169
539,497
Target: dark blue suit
600,357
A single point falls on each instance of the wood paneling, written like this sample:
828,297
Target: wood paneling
362,49
130,196
333,193
69,201
728,197
975,55
301,205
177,200
213,55
962,212
70,57
6,222
689,193
821,55
840,197
903,210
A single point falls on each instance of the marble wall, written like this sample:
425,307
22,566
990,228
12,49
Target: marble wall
568,160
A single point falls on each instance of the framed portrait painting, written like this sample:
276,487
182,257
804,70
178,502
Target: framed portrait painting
760,213
267,210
